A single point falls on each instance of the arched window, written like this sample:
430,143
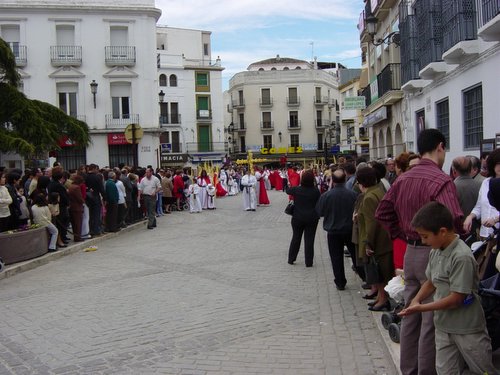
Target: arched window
261,69
163,80
298,68
286,68
273,68
173,80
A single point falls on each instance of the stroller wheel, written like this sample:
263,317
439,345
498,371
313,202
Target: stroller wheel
185,206
387,318
394,332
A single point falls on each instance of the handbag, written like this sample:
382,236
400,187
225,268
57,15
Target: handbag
289,208
372,271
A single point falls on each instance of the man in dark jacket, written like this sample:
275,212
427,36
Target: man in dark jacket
95,194
111,203
336,207
56,184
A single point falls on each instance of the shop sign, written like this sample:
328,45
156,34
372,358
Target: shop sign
374,117
173,158
281,150
117,139
354,102
64,141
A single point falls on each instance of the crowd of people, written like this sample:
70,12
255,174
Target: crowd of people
398,216
406,216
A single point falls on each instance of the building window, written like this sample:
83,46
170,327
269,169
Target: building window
163,80
121,154
72,157
67,103
266,96
120,100
294,119
173,80
267,141
294,140
443,120
473,117
206,51
266,120
202,81
320,141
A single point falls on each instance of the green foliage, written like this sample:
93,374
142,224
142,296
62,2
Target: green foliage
31,127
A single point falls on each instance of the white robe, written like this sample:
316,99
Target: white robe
267,183
258,176
203,192
211,197
249,182
194,198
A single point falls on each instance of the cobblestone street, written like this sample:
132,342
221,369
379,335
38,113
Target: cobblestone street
207,293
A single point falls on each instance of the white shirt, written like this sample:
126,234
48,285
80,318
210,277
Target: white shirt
5,201
483,209
149,187
248,180
41,215
121,191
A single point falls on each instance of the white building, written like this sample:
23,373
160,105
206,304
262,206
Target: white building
283,106
65,50
450,73
191,111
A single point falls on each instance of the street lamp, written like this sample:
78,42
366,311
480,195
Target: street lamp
279,135
371,27
93,89
161,96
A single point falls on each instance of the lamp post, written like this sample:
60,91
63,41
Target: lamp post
230,129
371,27
279,135
93,90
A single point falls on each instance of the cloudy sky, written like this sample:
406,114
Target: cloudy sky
245,31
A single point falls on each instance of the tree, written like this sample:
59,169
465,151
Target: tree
31,127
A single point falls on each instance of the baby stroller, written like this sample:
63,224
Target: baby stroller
184,202
485,253
489,290
391,320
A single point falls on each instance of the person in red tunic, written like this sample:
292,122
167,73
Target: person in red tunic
262,197
178,188
278,181
293,179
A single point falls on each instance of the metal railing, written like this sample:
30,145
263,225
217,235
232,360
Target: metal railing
321,123
170,119
20,53
192,147
459,22
114,122
119,55
366,92
80,117
389,79
267,125
318,100
294,124
66,55
240,103
293,101
266,102
489,9
240,126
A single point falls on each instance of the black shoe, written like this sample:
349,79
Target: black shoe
366,286
372,303
385,307
151,227
339,287
309,265
370,296
52,250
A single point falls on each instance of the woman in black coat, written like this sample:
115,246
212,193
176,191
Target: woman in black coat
304,219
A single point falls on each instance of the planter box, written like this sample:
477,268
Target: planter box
24,245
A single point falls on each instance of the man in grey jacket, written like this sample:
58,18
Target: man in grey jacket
336,207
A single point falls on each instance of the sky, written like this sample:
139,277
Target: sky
246,31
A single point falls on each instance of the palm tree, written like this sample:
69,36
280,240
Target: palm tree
31,127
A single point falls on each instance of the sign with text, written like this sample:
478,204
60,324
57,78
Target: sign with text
281,150
354,102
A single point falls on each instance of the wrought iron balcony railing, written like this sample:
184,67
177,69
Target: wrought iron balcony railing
121,121
293,101
119,55
171,119
294,124
204,114
267,125
459,22
19,53
66,55
266,102
490,9
389,79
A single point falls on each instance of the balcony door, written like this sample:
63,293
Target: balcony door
65,35
204,138
66,93
11,34
120,100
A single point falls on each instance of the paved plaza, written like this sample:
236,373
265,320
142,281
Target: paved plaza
207,293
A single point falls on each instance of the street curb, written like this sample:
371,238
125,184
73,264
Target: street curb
392,347
14,269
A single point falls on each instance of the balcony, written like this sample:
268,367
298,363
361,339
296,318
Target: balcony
66,55
80,117
381,7
204,115
266,102
366,92
293,101
489,29
172,119
294,124
240,127
389,82
320,123
119,55
120,122
459,30
238,103
20,53
321,101
196,147
266,125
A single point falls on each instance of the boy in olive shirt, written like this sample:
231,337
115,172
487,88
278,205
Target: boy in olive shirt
460,326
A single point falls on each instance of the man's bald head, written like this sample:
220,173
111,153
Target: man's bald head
338,176
462,165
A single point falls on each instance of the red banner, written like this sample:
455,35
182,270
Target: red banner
117,139
64,141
